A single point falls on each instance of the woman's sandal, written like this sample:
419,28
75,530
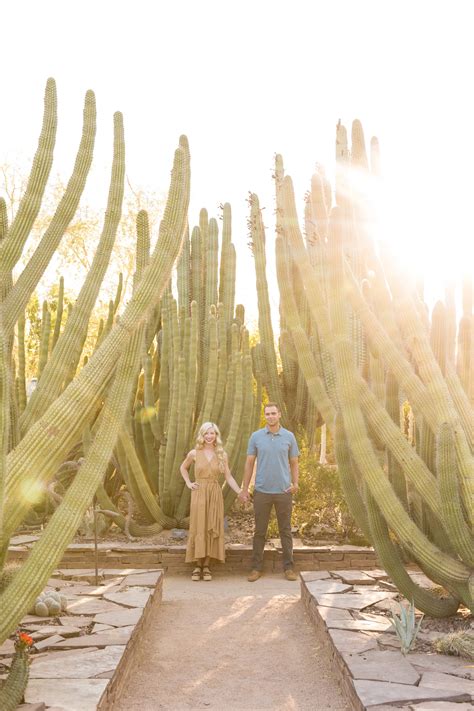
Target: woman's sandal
196,574
206,573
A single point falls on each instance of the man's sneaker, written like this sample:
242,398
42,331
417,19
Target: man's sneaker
254,575
290,574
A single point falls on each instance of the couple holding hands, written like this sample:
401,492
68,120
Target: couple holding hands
276,452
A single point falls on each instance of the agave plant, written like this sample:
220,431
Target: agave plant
406,626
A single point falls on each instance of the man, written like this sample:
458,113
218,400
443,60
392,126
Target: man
276,452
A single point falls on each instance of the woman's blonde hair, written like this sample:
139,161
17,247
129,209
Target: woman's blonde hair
220,452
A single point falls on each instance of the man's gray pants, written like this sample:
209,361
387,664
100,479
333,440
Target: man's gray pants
262,505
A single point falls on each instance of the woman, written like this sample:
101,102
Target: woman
206,524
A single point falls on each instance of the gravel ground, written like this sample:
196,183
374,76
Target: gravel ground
229,644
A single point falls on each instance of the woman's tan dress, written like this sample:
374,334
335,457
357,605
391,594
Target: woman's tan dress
206,525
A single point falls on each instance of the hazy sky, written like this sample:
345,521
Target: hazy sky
245,80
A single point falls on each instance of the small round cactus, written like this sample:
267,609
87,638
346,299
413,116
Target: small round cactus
49,604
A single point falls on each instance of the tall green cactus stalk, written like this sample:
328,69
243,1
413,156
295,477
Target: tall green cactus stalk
404,363
257,231
48,440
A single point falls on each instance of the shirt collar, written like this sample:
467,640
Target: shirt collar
268,431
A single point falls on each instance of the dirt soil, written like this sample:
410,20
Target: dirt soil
229,644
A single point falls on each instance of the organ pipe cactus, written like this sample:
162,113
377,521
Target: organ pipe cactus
50,431
356,316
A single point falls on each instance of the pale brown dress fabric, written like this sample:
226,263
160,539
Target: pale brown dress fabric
206,525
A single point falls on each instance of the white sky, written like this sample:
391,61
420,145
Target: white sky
245,80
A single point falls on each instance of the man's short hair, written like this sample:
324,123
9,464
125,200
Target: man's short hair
272,404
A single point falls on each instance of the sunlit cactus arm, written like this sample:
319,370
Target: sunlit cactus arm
143,246
212,258
21,363
257,403
300,339
59,313
196,259
12,246
237,401
394,469
4,437
264,319
118,293
33,271
67,353
225,257
461,402
391,560
172,425
352,486
164,385
222,365
136,471
48,550
60,426
127,474
458,532
183,271
212,370
192,372
442,405
177,482
463,360
227,408
366,461
342,192
44,339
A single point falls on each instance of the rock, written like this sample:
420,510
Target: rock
121,617
8,647
67,693
354,601
132,597
148,580
311,575
49,642
22,540
352,641
381,666
353,577
76,621
326,587
114,636
74,665
442,663
362,625
435,706
84,605
372,693
438,680
179,533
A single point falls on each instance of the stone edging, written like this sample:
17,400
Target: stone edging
373,673
121,674
171,558
92,668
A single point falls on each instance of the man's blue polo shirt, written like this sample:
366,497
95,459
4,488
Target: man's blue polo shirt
273,451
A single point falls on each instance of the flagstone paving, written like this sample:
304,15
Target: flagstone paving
77,655
376,676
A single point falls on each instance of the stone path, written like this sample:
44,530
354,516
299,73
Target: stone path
229,644
366,650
